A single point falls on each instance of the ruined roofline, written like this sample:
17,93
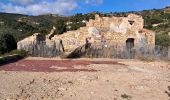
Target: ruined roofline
30,38
131,16
147,30
98,16
101,31
144,30
128,16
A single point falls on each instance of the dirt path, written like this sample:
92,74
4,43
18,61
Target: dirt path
99,80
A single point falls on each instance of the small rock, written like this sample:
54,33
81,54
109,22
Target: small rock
70,82
90,78
107,80
61,89
115,99
92,92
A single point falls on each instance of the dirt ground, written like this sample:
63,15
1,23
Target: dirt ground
85,79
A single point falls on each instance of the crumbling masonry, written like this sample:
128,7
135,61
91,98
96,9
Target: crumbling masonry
105,31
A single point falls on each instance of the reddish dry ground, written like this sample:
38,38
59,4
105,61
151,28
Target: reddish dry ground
52,65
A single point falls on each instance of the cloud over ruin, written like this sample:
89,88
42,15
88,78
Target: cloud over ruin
38,7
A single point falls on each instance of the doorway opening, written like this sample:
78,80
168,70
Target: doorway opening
129,47
130,43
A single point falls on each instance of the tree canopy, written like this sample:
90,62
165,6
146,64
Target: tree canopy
7,43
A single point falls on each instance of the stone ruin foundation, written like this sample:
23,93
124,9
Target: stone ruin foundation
113,37
37,46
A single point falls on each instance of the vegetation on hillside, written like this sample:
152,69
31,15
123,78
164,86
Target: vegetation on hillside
163,40
21,26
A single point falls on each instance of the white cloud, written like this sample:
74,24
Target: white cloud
23,2
94,2
38,7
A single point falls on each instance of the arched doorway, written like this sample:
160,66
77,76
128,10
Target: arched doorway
130,43
129,47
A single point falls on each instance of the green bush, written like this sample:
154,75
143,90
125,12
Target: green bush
163,40
10,58
21,53
13,56
156,20
60,27
7,43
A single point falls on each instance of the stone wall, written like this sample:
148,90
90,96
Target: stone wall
28,41
36,46
103,31
115,30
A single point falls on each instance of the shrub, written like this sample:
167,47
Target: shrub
21,53
7,43
163,40
125,96
13,56
10,58
156,20
147,59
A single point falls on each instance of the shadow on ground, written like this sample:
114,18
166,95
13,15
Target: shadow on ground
11,59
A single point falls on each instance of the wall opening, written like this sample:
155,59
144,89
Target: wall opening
40,38
131,22
130,43
129,47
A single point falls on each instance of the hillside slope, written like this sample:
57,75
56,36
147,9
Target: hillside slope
22,26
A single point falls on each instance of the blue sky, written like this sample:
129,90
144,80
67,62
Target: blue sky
69,7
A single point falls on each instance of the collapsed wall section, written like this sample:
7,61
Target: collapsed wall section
37,47
120,32
109,31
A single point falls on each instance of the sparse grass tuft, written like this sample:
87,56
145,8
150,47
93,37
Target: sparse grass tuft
147,59
168,91
125,96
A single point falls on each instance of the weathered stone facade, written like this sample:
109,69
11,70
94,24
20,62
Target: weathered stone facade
36,45
23,44
104,31
111,31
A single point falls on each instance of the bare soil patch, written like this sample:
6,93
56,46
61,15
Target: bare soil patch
52,65
85,79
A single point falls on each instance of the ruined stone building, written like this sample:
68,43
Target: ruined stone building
103,31
37,45
120,31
